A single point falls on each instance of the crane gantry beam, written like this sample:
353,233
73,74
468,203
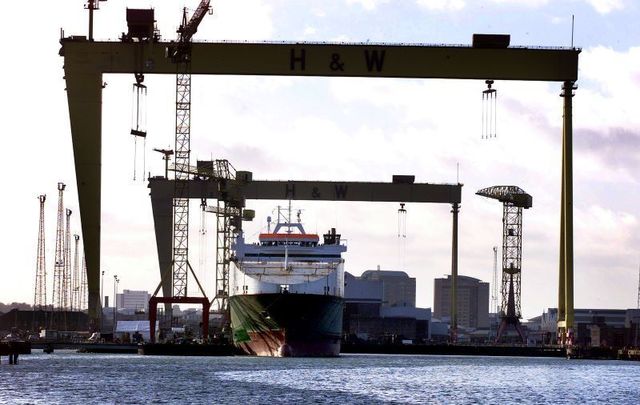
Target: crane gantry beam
329,59
162,193
86,61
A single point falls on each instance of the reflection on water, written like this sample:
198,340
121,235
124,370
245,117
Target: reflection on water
67,377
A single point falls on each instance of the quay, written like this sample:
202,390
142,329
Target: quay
13,350
454,350
167,349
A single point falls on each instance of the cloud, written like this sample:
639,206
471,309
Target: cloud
251,19
525,3
597,230
309,30
617,148
601,6
606,6
442,5
368,4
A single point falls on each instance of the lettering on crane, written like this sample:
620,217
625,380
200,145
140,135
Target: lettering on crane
315,192
341,191
290,191
336,64
374,60
299,59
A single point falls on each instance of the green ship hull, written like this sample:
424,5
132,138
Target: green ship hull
287,324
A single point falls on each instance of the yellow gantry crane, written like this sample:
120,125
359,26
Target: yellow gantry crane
85,61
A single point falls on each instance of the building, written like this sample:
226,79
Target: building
472,301
133,300
596,327
398,289
380,306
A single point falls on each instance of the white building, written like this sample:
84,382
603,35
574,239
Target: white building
133,300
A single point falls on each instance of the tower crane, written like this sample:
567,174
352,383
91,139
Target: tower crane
40,296
513,200
229,213
59,263
180,54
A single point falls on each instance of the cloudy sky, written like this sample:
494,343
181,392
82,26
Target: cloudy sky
346,129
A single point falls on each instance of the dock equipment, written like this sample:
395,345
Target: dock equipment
86,60
40,294
180,54
235,191
513,200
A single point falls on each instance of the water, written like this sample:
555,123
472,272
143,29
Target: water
70,378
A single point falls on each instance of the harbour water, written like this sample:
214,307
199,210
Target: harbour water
69,377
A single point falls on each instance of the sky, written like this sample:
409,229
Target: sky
345,129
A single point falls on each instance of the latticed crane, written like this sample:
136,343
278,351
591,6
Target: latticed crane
513,200
40,295
180,53
229,212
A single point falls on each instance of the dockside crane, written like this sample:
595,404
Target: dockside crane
40,294
180,53
513,200
230,213
59,263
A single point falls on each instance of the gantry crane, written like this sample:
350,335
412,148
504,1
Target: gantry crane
513,200
86,61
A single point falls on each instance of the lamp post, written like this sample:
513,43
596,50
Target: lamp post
115,305
102,302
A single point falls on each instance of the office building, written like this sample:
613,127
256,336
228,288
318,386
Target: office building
133,300
398,289
472,301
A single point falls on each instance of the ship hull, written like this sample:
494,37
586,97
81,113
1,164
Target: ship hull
287,324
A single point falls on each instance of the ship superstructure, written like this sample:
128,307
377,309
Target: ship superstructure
286,294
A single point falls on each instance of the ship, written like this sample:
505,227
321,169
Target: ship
286,292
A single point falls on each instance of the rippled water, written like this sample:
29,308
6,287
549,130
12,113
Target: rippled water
68,377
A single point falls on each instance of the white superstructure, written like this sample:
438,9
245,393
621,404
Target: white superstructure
289,259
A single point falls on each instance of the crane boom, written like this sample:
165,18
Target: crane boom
188,29
513,195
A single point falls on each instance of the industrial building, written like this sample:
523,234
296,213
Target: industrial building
593,327
133,300
472,301
398,289
380,306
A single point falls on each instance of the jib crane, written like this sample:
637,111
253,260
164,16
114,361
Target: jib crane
180,54
513,200
229,214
